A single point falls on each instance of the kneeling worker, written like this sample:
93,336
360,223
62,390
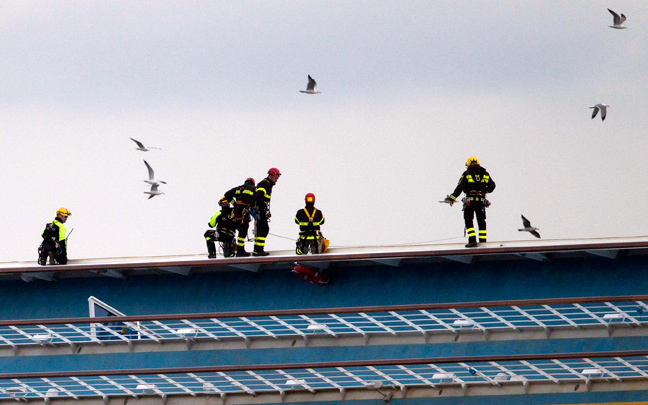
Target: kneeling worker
309,220
54,240
224,233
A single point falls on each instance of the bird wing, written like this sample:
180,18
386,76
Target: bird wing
154,188
137,142
623,18
603,112
595,111
150,170
525,222
617,19
311,83
536,234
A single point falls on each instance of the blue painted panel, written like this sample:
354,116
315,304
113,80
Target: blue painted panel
351,286
278,289
537,399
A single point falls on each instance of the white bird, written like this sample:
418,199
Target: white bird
154,191
618,21
528,228
151,180
140,146
310,87
603,108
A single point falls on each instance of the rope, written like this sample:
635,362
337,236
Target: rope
282,237
402,244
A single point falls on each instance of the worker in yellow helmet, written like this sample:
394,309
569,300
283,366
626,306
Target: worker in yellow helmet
475,182
309,220
54,243
224,232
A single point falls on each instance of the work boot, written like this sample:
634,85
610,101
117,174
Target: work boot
240,252
472,242
211,250
228,249
258,251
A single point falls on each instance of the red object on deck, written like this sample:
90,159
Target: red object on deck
310,275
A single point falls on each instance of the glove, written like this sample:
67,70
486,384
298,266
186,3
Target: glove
449,200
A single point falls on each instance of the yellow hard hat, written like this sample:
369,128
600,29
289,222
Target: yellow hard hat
472,159
63,211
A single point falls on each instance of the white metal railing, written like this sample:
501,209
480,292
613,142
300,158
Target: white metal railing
422,320
333,376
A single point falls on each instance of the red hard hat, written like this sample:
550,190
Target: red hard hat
274,172
250,179
310,198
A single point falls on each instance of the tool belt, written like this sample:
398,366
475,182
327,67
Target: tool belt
241,212
467,200
310,234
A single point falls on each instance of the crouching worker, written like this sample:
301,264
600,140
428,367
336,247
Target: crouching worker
309,220
224,233
54,243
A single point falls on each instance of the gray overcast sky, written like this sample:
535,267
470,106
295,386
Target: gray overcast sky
410,89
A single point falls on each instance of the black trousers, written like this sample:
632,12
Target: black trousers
60,254
475,208
243,223
262,227
262,230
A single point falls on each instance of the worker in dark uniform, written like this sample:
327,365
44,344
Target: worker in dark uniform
262,210
475,182
55,239
309,220
224,233
242,197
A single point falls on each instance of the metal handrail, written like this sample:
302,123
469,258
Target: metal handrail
617,367
323,311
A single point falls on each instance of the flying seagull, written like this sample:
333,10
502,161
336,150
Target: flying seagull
528,228
140,146
310,87
154,191
618,21
151,180
603,108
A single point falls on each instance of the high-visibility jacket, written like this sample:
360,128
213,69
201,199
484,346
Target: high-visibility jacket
309,220
58,232
262,194
242,195
223,221
475,183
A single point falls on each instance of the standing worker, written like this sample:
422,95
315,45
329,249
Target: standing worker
262,207
224,233
309,220
54,240
242,197
475,182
